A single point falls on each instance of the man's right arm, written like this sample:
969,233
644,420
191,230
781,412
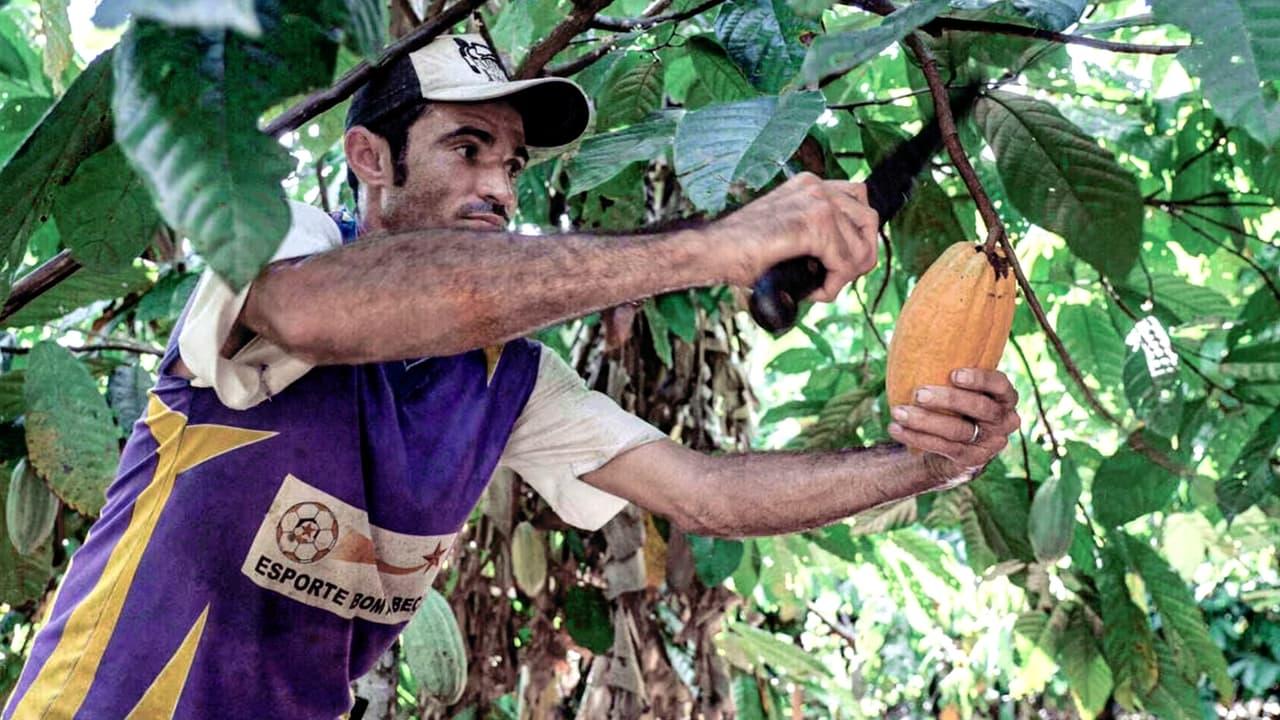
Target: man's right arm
439,292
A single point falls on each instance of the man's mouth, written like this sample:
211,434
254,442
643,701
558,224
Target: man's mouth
492,219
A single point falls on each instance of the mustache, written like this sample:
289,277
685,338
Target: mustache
480,207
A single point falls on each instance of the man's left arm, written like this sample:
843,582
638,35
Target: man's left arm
781,492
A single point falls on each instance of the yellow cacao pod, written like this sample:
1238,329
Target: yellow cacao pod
958,316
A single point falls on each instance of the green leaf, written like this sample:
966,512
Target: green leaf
1236,57
747,576
1251,477
1087,672
1128,643
59,55
833,55
925,228
679,312
717,78
12,403
1181,299
80,289
127,389
1091,340
104,214
586,618
1183,622
1157,401
204,14
1196,175
1128,486
1060,179
746,698
796,360
71,438
1054,15
764,647
1258,362
632,90
165,300
763,38
1052,520
186,107
11,63
366,27
18,115
744,143
658,331
78,126
1002,509
715,559
602,157
1173,697
22,577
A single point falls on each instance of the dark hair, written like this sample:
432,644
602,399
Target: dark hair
393,126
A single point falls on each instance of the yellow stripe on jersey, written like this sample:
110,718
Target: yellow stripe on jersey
161,699
65,678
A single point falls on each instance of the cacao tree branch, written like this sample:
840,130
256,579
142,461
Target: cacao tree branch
951,138
39,281
586,60
558,39
317,102
1170,206
1217,140
880,101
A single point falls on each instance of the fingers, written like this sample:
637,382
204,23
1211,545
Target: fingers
960,402
962,454
948,427
852,250
991,382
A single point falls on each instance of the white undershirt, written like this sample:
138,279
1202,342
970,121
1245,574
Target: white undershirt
565,430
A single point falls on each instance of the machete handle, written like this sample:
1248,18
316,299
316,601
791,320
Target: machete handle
776,296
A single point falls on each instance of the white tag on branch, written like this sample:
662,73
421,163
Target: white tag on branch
1150,335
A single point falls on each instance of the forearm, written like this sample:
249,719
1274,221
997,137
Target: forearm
440,292
775,493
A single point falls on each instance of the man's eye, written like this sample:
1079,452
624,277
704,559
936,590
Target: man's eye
468,151
514,170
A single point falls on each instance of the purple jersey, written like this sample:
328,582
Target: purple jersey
253,563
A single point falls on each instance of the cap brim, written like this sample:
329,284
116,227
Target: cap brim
555,111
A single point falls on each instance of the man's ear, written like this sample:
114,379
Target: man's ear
369,157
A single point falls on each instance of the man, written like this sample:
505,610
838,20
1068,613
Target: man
314,443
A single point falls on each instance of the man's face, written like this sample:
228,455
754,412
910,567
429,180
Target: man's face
462,161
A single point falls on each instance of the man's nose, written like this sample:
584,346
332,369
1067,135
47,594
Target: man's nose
498,187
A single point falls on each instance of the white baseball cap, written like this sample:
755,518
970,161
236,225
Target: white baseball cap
463,68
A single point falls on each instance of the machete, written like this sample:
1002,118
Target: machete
775,295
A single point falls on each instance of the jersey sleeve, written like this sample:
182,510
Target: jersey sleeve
260,369
566,431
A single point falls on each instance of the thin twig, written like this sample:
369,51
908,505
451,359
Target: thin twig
488,38
1222,135
124,345
602,22
880,101
324,192
995,28
317,102
1035,390
843,633
1266,277
1167,206
867,314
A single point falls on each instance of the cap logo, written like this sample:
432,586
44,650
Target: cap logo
481,59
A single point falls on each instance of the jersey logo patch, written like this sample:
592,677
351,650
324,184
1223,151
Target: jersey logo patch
323,552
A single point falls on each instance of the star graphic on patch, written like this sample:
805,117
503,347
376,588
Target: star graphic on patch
436,556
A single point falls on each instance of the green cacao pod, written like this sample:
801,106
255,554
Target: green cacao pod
30,509
434,650
1052,522
528,558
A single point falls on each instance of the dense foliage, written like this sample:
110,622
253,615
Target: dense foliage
1120,554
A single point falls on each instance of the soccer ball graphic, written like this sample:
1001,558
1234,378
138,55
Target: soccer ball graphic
307,532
